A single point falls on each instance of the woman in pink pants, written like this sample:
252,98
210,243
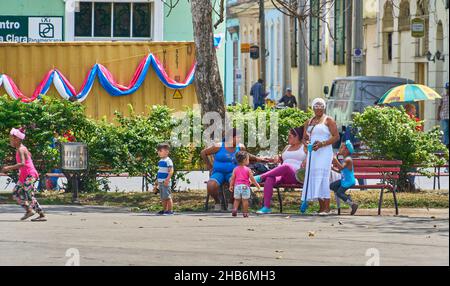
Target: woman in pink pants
291,159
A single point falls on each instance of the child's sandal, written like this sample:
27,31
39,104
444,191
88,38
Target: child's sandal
41,217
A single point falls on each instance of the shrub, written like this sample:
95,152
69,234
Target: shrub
391,134
42,119
287,119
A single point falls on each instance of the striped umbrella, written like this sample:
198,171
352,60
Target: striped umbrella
409,93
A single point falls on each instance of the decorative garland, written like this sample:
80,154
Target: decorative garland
106,79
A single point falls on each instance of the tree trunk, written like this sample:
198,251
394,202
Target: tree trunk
207,76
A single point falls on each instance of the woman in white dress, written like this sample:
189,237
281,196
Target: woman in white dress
321,131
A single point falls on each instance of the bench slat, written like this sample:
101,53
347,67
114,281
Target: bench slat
374,163
377,169
376,176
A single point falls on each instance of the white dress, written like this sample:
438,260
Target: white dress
317,180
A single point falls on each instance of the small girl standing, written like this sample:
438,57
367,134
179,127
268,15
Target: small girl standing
25,188
240,183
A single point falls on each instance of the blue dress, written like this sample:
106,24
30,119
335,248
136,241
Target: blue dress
224,164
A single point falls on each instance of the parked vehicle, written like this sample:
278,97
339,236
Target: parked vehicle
354,94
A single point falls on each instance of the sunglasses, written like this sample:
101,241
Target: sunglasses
318,106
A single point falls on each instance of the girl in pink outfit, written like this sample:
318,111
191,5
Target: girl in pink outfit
25,188
240,183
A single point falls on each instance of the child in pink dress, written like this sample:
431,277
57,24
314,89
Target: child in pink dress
25,188
240,183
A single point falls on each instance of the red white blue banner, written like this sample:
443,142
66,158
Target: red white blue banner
106,79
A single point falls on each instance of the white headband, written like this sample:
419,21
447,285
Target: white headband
318,100
17,133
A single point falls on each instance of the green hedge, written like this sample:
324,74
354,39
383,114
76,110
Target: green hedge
391,134
126,145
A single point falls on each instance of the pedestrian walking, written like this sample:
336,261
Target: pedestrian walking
443,115
24,191
259,94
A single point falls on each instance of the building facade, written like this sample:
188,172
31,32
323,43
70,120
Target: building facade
99,20
243,29
389,46
394,51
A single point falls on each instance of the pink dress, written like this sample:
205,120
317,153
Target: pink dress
28,169
242,177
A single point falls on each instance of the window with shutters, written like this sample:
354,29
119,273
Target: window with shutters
388,29
314,33
404,18
294,41
339,32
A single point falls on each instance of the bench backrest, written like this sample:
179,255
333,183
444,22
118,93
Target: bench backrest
377,169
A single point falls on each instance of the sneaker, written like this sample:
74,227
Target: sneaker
245,215
258,179
264,210
234,213
28,214
324,213
217,207
354,209
160,212
168,213
230,206
41,217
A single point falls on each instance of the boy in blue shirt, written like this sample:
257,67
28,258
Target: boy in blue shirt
163,179
347,175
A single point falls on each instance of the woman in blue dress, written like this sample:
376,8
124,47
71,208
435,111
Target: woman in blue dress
224,163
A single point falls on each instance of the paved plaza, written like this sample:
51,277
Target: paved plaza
115,236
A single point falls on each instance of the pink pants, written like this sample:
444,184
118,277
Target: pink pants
283,174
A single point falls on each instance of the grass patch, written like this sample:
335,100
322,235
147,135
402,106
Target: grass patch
194,200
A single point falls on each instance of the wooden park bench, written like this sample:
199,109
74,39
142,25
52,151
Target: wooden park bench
436,174
384,170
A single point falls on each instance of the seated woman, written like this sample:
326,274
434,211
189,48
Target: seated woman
292,159
223,166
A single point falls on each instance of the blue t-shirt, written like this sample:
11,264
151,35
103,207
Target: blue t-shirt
348,176
163,169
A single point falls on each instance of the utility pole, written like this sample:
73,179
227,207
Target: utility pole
349,36
262,33
302,59
359,38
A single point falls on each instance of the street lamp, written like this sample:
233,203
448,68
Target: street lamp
74,161
440,56
430,57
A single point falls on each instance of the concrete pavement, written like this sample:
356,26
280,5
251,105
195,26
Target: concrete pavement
114,236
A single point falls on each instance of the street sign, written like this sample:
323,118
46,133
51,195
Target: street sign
28,29
238,76
418,28
254,52
177,94
245,48
358,55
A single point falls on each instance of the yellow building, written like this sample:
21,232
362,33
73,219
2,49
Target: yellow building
27,64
